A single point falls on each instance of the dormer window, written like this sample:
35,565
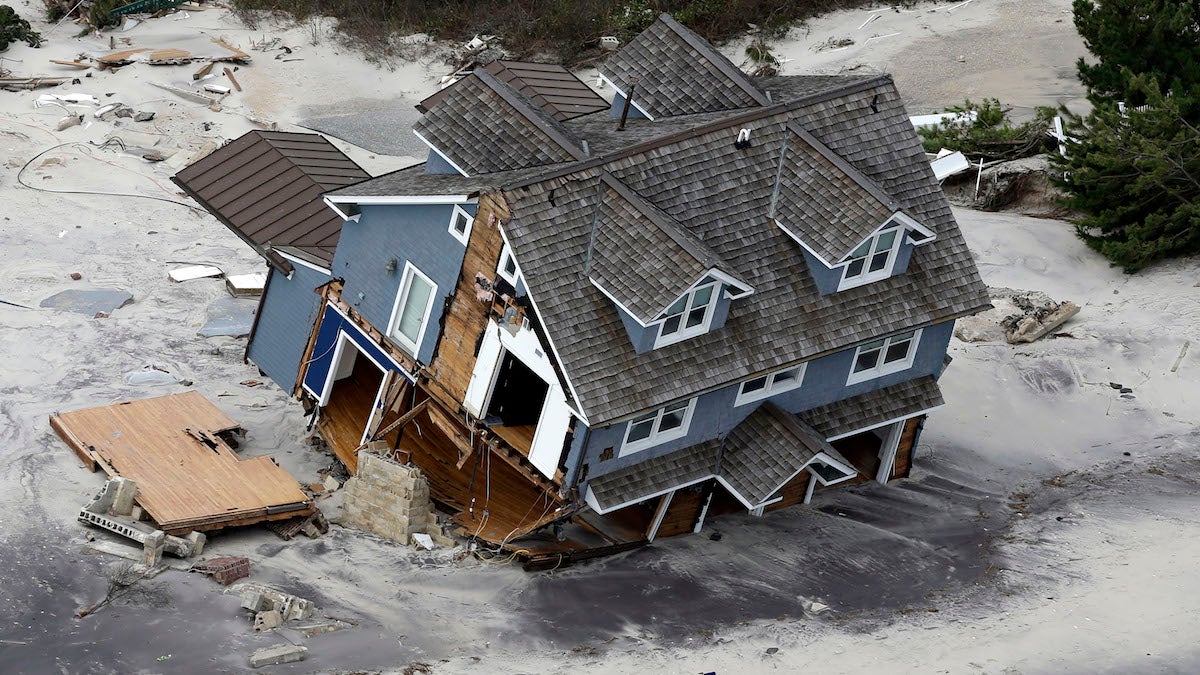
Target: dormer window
873,259
507,269
689,316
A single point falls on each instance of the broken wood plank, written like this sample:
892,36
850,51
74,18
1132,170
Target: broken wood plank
193,96
232,79
204,70
73,64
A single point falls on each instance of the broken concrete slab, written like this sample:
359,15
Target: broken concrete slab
267,619
229,317
271,656
261,598
90,301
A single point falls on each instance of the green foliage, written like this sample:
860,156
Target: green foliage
15,29
99,14
991,134
1157,38
1136,174
1137,177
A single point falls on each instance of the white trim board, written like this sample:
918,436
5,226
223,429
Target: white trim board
441,154
400,199
302,263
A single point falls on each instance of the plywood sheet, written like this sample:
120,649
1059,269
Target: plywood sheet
187,477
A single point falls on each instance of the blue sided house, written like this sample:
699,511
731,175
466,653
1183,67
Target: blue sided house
592,322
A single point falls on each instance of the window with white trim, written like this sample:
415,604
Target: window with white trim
507,269
770,384
689,316
410,315
665,424
460,224
881,357
873,259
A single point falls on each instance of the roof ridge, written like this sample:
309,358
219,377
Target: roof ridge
715,57
843,165
544,122
750,115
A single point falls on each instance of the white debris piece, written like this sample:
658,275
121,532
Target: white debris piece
921,121
65,99
193,272
423,540
949,164
240,285
216,88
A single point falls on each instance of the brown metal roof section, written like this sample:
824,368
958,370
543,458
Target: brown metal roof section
551,87
266,187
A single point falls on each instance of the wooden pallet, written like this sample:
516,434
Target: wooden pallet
188,477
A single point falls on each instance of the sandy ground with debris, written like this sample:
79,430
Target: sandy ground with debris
1049,525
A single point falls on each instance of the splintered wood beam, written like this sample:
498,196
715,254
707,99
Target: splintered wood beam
401,422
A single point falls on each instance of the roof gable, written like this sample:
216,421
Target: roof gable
679,72
641,257
482,125
266,187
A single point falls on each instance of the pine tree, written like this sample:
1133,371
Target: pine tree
1134,166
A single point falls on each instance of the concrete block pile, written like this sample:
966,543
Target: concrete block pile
391,500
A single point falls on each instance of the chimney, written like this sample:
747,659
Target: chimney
633,82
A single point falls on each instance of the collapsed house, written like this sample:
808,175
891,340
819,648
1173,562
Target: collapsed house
609,322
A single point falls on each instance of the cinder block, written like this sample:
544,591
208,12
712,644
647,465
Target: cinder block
270,656
267,620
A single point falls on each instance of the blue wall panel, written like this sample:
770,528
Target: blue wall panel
715,414
406,233
286,317
332,325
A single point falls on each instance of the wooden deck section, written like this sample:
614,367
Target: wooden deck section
520,438
188,478
345,418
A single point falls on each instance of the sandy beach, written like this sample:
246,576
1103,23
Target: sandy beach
1049,524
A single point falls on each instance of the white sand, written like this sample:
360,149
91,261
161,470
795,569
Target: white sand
1120,565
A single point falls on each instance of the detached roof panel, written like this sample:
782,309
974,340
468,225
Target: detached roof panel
266,187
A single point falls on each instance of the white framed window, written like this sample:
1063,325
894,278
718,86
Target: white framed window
873,259
507,269
460,224
410,314
665,424
889,355
770,384
689,316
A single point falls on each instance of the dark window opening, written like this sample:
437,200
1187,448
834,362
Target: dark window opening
518,395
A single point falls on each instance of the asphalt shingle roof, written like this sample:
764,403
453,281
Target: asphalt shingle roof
723,194
825,202
483,126
642,256
679,73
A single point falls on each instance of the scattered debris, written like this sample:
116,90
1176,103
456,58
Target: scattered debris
75,276
19,83
65,99
181,52
216,88
152,374
74,64
423,540
194,272
204,70
113,510
267,620
89,301
262,598
193,96
229,317
244,285
313,526
270,656
224,569
144,116
1182,353
1016,317
251,383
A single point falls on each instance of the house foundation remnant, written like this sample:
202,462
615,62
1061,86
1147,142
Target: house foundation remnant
112,509
391,500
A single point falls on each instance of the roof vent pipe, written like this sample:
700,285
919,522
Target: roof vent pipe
633,82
